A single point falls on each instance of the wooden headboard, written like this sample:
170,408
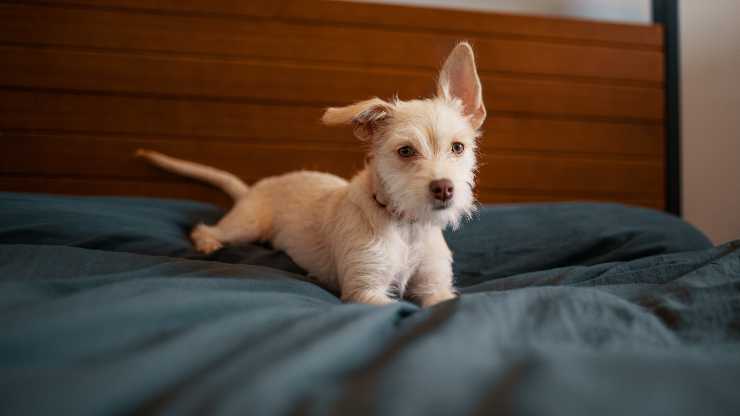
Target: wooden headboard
575,107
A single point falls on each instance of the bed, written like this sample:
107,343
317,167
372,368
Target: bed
566,308
580,294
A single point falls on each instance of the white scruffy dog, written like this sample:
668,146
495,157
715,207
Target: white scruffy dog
380,233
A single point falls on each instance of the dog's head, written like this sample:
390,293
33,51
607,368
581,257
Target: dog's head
423,152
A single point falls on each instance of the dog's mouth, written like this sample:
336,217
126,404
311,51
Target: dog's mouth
441,205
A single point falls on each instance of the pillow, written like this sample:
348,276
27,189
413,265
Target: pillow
500,241
504,240
150,226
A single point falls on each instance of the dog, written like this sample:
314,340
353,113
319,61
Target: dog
380,234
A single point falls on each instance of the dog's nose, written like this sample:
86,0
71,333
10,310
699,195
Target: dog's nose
441,189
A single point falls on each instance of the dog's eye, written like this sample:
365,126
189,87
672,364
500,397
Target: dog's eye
406,151
457,148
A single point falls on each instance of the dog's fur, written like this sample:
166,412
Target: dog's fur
381,232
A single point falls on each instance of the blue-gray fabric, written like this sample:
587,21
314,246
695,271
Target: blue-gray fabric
566,309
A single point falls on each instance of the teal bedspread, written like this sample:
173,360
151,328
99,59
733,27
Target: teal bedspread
566,309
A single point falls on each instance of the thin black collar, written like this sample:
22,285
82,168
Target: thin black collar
380,204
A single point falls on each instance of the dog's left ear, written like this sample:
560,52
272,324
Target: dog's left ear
458,79
367,117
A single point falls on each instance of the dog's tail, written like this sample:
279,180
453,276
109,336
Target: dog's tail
225,181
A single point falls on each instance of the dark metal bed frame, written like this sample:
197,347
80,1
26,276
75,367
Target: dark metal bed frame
665,12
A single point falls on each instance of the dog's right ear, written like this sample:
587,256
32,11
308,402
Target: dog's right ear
366,117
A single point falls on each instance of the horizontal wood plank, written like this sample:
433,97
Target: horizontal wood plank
257,123
187,189
260,38
568,174
105,114
107,187
252,8
219,78
86,156
597,139
475,22
401,17
89,156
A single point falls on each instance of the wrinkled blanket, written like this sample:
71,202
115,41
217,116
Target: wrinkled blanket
565,309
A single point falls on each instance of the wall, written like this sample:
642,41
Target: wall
617,10
710,60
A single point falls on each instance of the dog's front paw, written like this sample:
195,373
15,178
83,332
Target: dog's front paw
208,246
370,297
436,297
203,240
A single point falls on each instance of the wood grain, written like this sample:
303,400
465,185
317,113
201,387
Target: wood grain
264,123
575,107
295,41
255,80
112,114
187,189
400,17
182,189
89,156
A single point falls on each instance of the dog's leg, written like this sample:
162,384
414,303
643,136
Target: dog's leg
371,296
206,238
365,281
246,222
433,282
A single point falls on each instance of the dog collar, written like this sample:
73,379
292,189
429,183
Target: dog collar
392,214
380,204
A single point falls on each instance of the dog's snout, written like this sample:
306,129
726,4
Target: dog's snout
442,189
